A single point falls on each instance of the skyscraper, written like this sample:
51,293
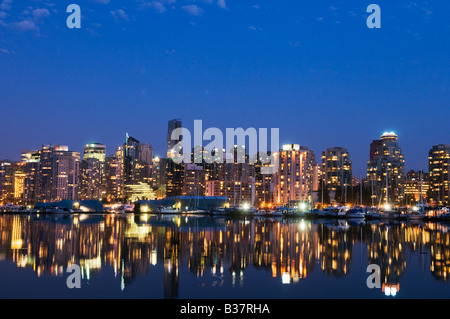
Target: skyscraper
337,172
112,179
135,160
294,179
439,170
6,182
194,180
32,160
386,171
173,124
92,172
131,160
416,187
58,173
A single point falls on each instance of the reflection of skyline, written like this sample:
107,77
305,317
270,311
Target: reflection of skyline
223,248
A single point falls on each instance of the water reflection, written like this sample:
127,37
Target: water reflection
288,250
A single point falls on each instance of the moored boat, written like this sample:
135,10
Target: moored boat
356,213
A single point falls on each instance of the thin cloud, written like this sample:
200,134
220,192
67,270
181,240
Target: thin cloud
6,5
119,13
156,5
222,4
193,9
24,26
6,51
40,13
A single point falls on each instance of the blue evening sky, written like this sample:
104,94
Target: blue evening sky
311,68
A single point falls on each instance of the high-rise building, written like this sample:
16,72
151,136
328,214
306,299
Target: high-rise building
174,177
173,124
112,179
65,173
19,182
263,188
294,179
145,157
439,170
374,146
131,161
386,171
6,182
137,161
32,160
194,180
92,172
159,176
58,173
96,151
120,155
416,187
337,172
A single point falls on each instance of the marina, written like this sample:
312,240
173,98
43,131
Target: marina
416,213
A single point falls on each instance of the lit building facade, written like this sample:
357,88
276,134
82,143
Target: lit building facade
92,172
6,182
294,179
172,125
56,175
32,160
386,171
439,170
112,179
194,183
417,186
337,171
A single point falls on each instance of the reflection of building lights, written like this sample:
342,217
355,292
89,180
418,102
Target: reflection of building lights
391,289
285,278
302,225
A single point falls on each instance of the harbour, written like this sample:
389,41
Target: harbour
166,256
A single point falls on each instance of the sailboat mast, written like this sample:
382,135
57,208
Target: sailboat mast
387,191
360,191
421,185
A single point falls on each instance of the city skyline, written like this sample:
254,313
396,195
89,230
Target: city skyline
132,173
312,69
162,153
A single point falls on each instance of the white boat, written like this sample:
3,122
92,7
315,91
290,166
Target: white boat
197,211
356,213
170,210
342,211
334,212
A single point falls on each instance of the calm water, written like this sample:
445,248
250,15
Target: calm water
150,256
